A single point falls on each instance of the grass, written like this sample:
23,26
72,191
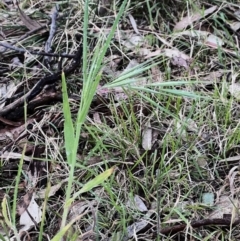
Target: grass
95,141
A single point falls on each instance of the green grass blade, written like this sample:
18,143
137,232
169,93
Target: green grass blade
94,182
68,123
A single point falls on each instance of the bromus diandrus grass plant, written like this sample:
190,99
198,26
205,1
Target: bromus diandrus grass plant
91,70
91,76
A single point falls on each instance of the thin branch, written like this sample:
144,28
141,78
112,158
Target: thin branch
53,28
22,37
21,50
199,223
50,79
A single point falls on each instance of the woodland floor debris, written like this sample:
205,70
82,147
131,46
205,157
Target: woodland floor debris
165,115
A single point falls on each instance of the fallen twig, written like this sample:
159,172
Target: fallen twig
50,79
199,223
21,50
53,28
21,38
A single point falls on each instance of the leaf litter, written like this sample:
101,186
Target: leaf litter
168,165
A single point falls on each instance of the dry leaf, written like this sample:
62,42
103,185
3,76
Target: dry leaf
137,203
178,61
118,92
24,202
193,33
133,41
154,53
190,19
134,24
203,37
28,22
202,161
132,63
213,77
178,58
111,63
6,91
135,228
234,89
14,133
223,207
237,14
32,176
42,194
13,155
80,207
147,138
31,216
214,41
156,74
16,63
96,118
235,26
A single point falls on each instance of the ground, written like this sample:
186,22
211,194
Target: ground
119,120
